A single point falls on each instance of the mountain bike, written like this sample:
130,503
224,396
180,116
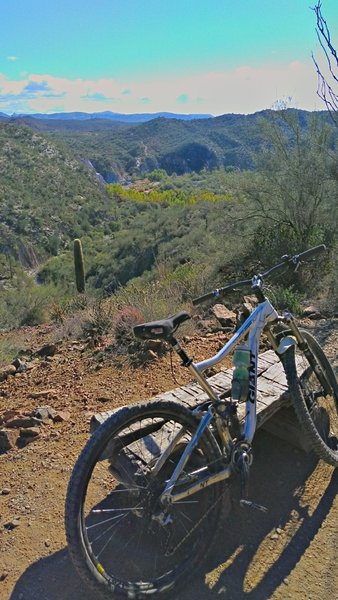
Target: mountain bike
151,486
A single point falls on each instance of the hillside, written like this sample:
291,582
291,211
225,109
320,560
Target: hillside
212,221
177,146
47,196
120,150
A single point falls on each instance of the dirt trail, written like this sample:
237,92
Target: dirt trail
290,552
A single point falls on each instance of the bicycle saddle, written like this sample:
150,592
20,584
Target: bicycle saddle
160,329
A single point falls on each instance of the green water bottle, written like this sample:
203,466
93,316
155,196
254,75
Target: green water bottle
240,377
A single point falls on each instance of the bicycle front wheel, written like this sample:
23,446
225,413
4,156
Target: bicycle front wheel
122,541
315,397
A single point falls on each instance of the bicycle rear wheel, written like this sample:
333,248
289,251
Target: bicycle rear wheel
121,539
314,397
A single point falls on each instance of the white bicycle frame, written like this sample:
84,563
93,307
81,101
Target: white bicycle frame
254,324
252,327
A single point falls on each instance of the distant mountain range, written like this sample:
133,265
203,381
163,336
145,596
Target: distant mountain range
83,116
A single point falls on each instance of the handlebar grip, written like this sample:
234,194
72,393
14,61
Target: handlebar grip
205,298
311,252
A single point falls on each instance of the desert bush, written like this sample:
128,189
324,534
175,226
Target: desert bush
25,303
285,298
9,348
98,319
124,321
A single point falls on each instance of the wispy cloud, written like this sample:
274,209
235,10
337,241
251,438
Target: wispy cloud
242,90
12,58
97,97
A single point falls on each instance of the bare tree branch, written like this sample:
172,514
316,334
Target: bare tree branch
324,89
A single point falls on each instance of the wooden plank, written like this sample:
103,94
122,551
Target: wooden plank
275,373
268,389
272,398
271,391
269,356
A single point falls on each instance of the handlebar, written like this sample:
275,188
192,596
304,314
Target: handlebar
286,261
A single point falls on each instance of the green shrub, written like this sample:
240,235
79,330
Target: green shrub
25,303
9,348
285,298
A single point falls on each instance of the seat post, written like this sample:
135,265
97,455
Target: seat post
189,363
186,361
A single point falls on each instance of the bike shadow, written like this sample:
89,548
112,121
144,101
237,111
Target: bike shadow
249,560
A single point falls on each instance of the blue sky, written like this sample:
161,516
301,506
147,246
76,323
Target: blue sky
201,56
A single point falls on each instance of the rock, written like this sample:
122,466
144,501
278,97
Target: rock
5,372
5,491
311,312
29,433
12,524
44,413
26,437
23,421
155,345
225,316
245,309
104,398
249,304
61,415
8,440
3,575
8,414
47,350
19,365
43,393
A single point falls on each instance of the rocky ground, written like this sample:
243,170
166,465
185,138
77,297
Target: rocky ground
291,552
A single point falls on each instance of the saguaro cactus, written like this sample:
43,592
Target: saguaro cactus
79,266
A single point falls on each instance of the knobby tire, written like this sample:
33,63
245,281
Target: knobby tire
317,412
112,499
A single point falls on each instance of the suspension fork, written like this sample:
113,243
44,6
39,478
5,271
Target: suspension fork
303,346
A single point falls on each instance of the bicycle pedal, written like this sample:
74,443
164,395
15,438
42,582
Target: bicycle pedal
248,503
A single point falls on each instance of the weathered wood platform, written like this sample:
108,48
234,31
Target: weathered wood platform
271,387
274,414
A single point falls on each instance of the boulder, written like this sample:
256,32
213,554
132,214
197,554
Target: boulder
225,316
5,372
47,350
8,440
311,312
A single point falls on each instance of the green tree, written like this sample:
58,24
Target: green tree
294,191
